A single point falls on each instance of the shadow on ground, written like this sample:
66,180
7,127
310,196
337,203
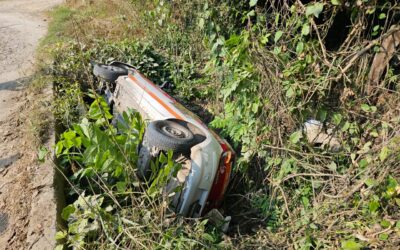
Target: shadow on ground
6,162
3,222
15,85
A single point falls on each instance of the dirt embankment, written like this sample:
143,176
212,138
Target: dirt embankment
22,24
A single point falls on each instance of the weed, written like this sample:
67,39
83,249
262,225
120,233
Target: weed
61,18
270,72
113,208
263,69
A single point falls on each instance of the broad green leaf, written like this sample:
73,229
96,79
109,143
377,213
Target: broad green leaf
322,114
382,16
374,133
305,30
383,236
286,168
346,126
163,158
373,206
290,92
370,182
99,109
367,146
59,147
299,47
255,107
201,23
61,235
265,38
332,166
384,154
314,9
385,224
335,2
59,247
121,186
392,183
351,245
277,161
278,35
337,118
67,211
295,137
107,164
85,127
90,154
208,237
43,151
277,50
87,172
69,135
363,163
305,201
253,3
277,19
251,13
170,154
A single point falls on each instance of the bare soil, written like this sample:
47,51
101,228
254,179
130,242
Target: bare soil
22,24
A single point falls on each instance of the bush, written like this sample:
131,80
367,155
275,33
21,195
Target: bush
262,69
111,207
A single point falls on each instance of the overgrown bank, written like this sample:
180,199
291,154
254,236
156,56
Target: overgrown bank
259,70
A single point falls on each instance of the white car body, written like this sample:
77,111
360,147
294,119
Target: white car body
211,160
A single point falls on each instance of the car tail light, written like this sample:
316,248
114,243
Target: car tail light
221,179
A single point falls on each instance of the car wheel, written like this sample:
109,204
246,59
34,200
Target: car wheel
126,66
144,162
109,73
163,135
169,135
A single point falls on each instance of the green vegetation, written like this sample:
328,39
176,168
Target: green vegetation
258,70
60,18
111,208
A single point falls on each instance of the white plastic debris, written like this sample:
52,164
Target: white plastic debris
315,134
215,217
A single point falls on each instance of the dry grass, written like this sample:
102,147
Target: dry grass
102,19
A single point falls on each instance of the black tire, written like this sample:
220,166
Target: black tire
169,135
108,73
126,66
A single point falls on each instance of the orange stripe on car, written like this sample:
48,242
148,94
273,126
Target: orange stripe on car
161,102
155,86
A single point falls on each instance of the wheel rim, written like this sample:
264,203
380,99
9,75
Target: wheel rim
174,132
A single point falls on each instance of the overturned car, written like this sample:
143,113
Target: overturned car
206,159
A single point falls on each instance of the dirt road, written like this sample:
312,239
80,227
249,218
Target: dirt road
22,24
